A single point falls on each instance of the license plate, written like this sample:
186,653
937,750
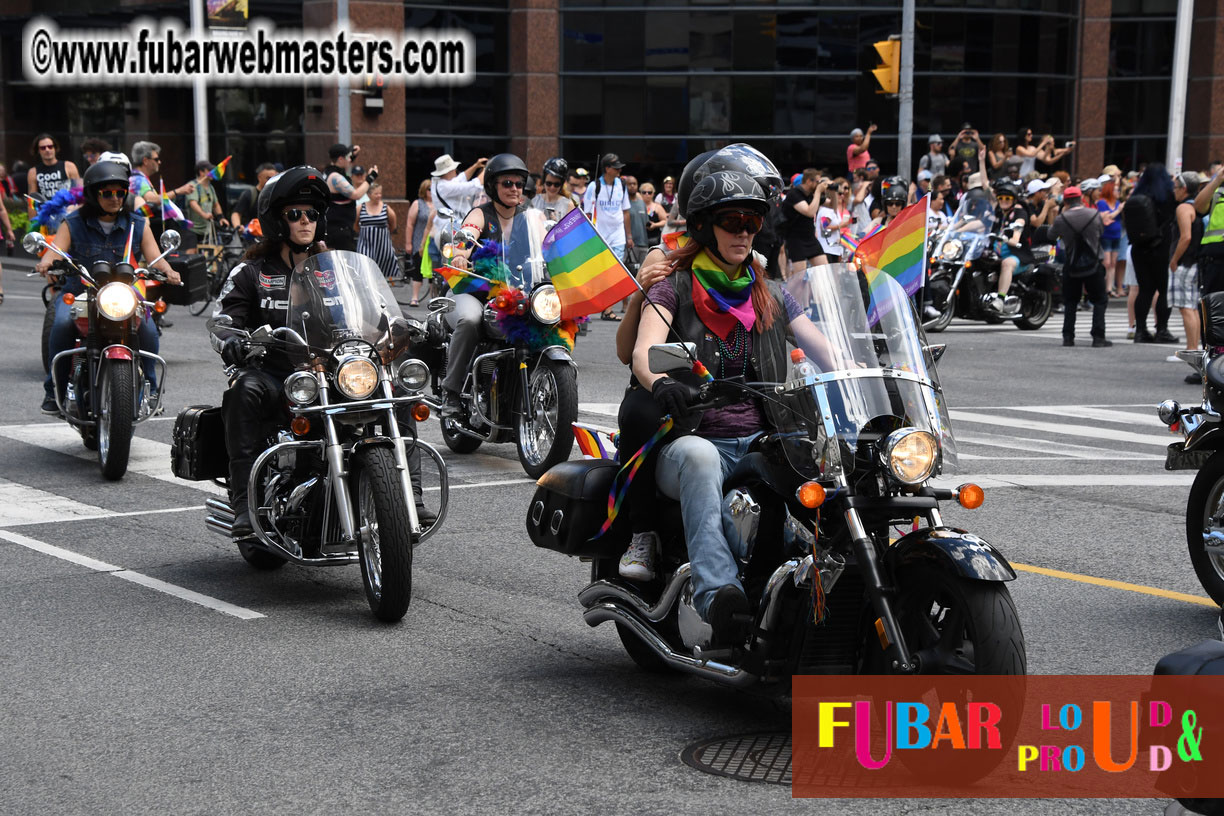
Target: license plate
1178,458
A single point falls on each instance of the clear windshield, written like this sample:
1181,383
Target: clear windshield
522,252
966,235
340,296
875,373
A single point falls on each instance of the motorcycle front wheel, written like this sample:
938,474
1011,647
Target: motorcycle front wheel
116,411
384,534
946,314
545,432
1206,494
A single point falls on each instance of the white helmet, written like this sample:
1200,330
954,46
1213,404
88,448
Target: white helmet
117,158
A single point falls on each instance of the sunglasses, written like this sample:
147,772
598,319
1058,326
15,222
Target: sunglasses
508,183
647,192
737,221
46,147
1003,198
109,194
552,184
295,214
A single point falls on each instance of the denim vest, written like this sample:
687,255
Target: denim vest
90,244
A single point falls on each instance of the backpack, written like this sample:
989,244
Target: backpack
1082,262
1139,219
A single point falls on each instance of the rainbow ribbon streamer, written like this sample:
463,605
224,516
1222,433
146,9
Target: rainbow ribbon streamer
701,371
621,488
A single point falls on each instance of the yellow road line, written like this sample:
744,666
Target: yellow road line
1106,582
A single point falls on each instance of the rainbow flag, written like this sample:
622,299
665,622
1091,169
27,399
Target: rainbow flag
217,172
899,251
127,249
463,282
591,442
170,210
675,240
145,209
588,277
848,243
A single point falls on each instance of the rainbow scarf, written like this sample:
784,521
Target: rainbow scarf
722,302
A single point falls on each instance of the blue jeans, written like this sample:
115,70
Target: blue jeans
691,470
63,337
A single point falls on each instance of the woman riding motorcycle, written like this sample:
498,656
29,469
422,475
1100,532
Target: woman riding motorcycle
496,220
98,231
720,299
256,294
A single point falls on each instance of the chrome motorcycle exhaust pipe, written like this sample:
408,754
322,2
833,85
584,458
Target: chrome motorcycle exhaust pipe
603,590
220,510
720,672
222,526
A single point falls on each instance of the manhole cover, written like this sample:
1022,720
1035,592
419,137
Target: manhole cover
750,757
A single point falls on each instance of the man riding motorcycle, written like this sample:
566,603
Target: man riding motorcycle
505,176
255,294
98,231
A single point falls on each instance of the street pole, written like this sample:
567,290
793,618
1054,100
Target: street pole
905,114
344,105
1181,73
199,91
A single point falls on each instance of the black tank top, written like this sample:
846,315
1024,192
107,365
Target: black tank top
340,208
50,179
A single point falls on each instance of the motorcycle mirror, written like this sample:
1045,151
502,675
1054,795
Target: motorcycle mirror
170,240
936,350
34,243
665,357
441,305
446,213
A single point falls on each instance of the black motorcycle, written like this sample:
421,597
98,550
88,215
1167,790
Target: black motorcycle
964,274
522,383
1203,450
106,393
842,549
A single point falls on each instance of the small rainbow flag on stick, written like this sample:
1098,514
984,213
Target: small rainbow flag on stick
217,172
127,249
898,250
591,441
588,277
170,210
463,282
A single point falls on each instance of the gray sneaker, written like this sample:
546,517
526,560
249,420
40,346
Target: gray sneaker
637,564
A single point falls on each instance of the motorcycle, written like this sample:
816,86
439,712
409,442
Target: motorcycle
522,383
1203,450
964,274
332,486
106,393
813,515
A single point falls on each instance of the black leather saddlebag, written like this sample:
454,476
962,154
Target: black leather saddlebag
1207,658
197,451
571,504
194,271
1212,307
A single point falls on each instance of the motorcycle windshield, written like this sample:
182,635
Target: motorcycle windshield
523,253
968,232
335,297
874,371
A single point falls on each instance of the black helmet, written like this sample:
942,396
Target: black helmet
1007,188
557,166
500,165
736,158
297,185
894,189
101,174
721,188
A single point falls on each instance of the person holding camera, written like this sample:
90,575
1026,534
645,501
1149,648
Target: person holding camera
967,147
343,197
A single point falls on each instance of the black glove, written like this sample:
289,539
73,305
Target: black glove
372,175
672,396
233,351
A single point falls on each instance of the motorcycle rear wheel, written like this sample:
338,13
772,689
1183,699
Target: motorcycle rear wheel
1205,496
1035,309
640,653
259,558
116,411
458,442
384,532
545,432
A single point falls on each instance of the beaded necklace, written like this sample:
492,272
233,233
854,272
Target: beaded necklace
733,351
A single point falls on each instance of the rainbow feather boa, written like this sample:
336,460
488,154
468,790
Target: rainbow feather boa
513,308
52,211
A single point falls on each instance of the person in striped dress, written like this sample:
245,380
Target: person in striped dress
375,223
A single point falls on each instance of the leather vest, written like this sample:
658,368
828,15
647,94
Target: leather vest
769,356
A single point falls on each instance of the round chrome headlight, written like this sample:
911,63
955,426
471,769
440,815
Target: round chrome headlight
546,305
357,377
1168,411
301,387
412,375
952,250
117,301
910,455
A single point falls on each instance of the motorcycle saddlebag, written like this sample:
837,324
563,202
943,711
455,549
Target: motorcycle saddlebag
194,271
571,504
1212,306
1206,657
197,450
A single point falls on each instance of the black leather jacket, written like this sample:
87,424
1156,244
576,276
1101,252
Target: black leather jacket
256,293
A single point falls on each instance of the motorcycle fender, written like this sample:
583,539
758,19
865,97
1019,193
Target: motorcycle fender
117,353
957,551
558,353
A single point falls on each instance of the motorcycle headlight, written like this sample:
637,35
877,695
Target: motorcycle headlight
117,301
952,250
357,377
910,455
546,305
412,375
301,387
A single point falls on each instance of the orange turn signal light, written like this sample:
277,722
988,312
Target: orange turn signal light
160,307
420,412
810,494
970,496
300,425
69,298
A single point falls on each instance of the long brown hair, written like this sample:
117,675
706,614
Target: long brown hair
763,304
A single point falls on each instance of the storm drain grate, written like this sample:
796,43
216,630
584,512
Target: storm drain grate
750,757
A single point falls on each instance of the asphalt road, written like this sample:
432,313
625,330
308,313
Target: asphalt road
279,693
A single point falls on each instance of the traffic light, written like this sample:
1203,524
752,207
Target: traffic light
888,74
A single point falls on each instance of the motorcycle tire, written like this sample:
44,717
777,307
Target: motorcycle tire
458,442
115,416
1205,496
545,431
260,558
48,320
945,316
386,538
640,653
1035,309
991,319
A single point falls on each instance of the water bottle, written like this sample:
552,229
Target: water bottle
802,369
